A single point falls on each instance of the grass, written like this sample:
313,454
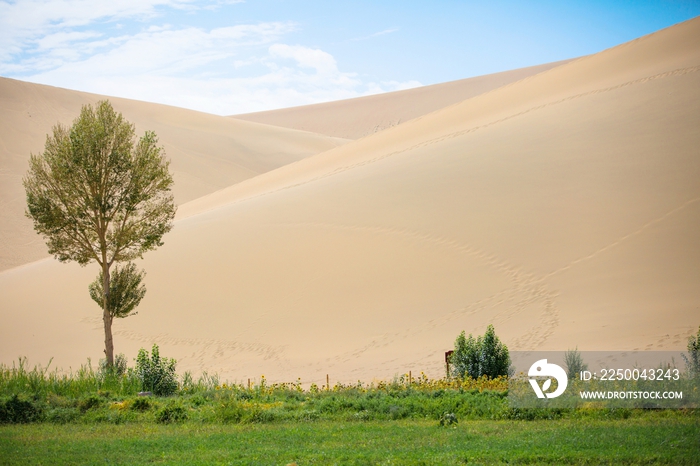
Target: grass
40,381
648,439
92,397
93,417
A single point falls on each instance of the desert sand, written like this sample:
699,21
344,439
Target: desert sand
207,152
563,208
362,116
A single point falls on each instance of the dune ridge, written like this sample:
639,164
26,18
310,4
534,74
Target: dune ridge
362,116
576,79
562,208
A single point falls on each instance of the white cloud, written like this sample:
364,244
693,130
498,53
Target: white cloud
380,33
21,22
159,50
225,70
62,39
146,68
306,57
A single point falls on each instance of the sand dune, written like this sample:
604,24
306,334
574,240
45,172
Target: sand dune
359,117
207,152
563,208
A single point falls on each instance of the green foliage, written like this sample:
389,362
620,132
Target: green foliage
574,363
692,360
484,356
447,419
495,359
41,383
141,404
63,415
118,369
465,359
88,397
229,411
173,412
90,402
17,410
125,290
97,194
157,374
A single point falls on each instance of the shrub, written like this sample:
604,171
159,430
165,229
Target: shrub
484,356
259,415
18,411
692,361
447,419
197,401
574,363
58,401
171,413
310,415
397,412
157,375
141,404
89,402
62,415
230,411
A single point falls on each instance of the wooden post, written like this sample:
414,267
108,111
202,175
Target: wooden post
409,378
328,383
248,384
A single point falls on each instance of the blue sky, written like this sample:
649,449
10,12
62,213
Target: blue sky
228,57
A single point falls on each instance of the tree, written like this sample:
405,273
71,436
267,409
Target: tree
125,293
96,194
485,356
494,357
465,358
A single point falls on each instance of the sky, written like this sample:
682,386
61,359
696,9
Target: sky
232,56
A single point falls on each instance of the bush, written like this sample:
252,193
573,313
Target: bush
62,415
141,404
310,415
397,412
230,411
171,413
259,415
157,375
447,419
89,402
485,356
574,363
18,411
692,361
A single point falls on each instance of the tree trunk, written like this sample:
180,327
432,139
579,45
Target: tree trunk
106,315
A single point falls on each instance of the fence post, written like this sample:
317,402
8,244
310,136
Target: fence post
328,383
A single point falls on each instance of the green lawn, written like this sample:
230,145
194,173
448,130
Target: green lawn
650,439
